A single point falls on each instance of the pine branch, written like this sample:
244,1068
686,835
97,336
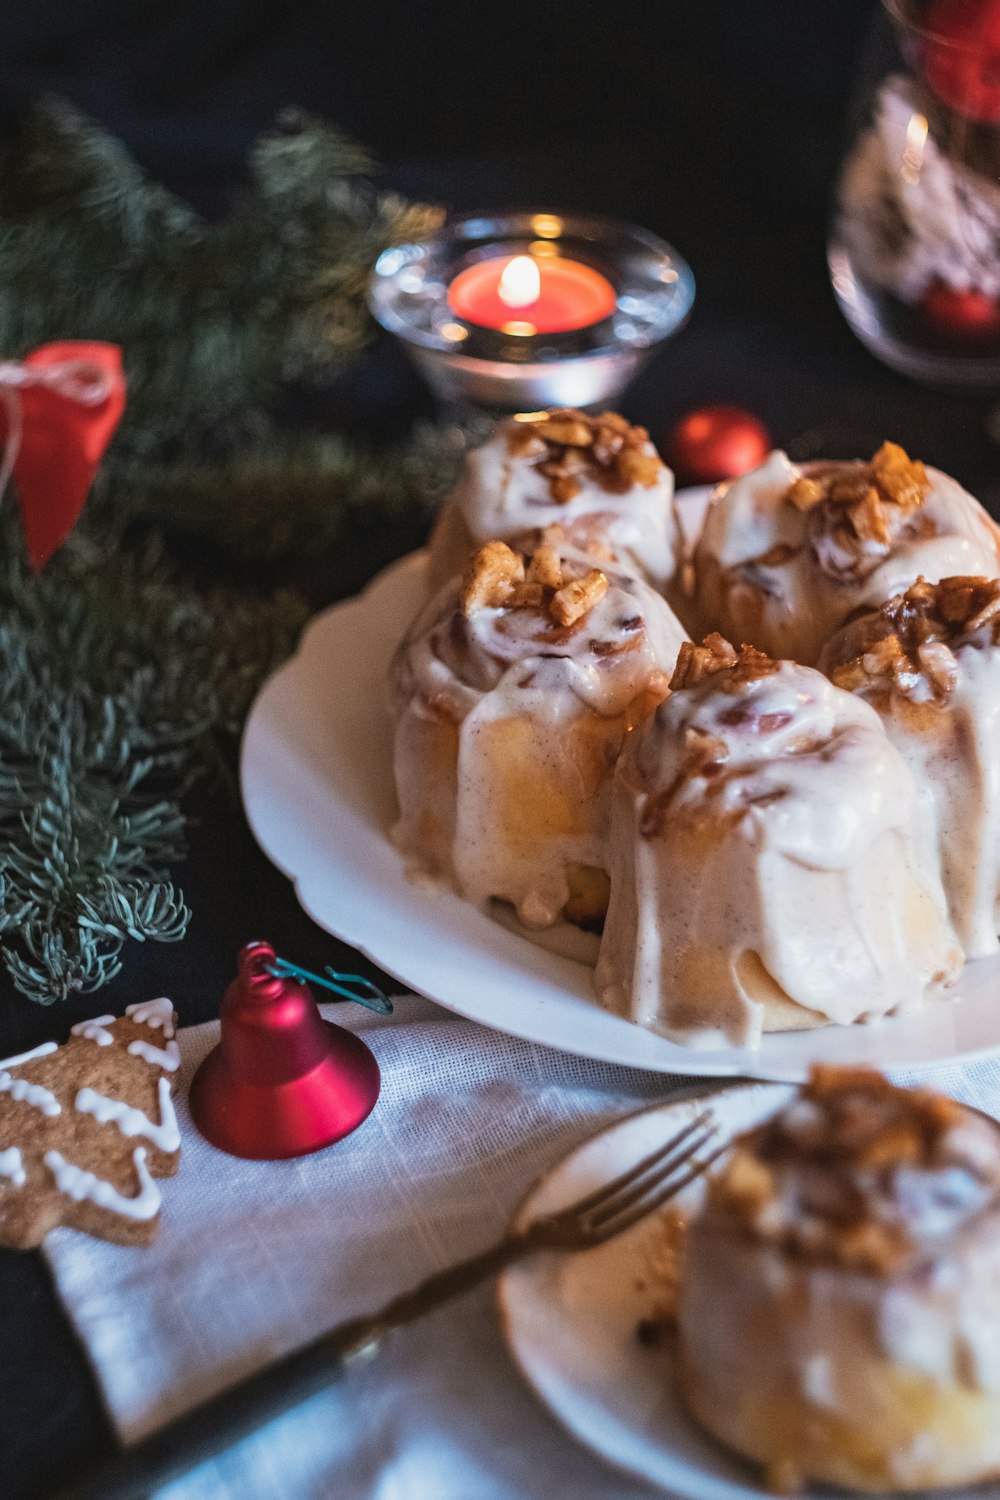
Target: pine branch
113,676
119,680
268,499
213,318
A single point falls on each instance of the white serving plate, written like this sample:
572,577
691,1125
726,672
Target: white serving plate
570,1320
317,787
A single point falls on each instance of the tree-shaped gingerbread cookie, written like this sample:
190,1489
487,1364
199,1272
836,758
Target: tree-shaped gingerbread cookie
86,1127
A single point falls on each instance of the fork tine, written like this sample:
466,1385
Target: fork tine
640,1189
615,1186
617,1225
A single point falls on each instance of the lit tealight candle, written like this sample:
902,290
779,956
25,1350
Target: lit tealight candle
524,295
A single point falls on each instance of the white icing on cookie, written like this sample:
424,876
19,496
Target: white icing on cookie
131,1121
93,1031
12,1166
29,1093
154,1013
42,1050
168,1057
79,1185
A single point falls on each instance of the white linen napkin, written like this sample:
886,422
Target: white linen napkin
254,1258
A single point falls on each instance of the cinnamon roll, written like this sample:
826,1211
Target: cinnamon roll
788,554
765,870
597,481
928,662
512,695
839,1313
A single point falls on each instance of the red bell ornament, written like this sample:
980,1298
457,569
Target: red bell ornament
717,442
282,1081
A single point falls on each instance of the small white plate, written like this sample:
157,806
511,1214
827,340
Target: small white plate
571,1320
317,787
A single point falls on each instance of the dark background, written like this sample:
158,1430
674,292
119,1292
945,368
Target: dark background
718,125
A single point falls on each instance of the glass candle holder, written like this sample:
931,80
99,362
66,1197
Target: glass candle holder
915,244
518,311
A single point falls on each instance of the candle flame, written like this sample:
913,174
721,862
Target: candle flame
913,153
520,282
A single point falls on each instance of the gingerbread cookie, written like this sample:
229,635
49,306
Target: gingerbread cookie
85,1128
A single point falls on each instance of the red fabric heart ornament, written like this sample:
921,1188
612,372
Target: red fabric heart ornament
58,411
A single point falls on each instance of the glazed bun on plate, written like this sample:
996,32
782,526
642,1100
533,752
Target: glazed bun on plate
787,555
512,695
839,1314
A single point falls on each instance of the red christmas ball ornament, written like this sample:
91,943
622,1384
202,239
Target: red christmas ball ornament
972,316
962,56
717,442
282,1082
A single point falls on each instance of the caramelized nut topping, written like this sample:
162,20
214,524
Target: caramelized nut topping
545,567
527,595
496,578
490,577
717,655
567,428
820,1178
853,507
804,493
574,600
906,647
567,443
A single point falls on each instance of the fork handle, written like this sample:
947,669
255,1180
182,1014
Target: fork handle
216,1424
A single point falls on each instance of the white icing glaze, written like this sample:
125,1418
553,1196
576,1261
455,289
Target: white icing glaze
906,1366
168,1057
42,1050
12,1166
80,1186
802,877
94,1030
518,778
131,1121
504,496
30,1093
953,751
790,608
156,1013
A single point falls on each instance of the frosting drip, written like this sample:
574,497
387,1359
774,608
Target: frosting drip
929,663
86,1186
764,864
95,1030
787,554
785,752
157,1013
168,1057
131,1121
524,479
12,1166
42,1050
30,1093
512,698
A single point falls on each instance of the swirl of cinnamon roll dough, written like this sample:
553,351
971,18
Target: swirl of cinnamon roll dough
764,868
598,481
788,554
839,1311
512,695
928,662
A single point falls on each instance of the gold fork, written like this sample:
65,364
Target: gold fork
208,1429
